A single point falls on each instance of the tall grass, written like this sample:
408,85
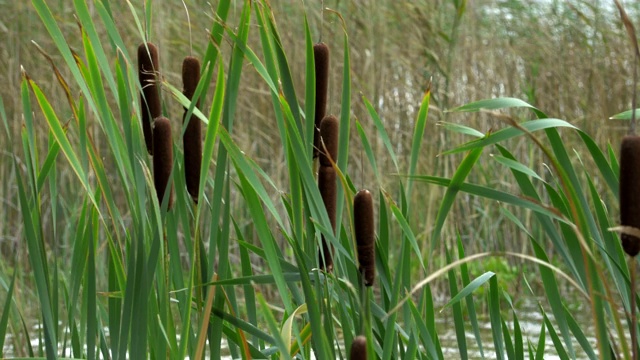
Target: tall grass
132,272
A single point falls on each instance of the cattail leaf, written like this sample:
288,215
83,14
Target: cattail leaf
625,115
6,308
458,320
607,169
426,337
273,327
88,27
32,229
61,138
384,136
368,150
498,103
495,317
553,294
557,343
287,327
516,166
579,335
471,307
3,116
510,132
497,195
286,79
452,189
461,129
418,135
407,233
469,289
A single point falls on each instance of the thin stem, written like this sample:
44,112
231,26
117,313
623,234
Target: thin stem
632,303
189,24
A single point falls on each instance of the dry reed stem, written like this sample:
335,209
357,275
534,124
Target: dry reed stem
358,348
328,190
321,59
192,139
329,128
630,191
151,108
365,237
163,158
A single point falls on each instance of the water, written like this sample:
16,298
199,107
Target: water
529,318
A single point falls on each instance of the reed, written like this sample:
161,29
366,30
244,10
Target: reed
192,138
365,238
329,128
321,60
151,108
162,159
358,348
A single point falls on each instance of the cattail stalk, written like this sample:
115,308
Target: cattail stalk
151,108
192,139
162,159
327,185
321,60
365,237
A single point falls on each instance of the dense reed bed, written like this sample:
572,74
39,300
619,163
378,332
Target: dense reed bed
243,244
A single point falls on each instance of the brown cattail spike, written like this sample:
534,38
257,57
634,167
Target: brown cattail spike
365,237
358,348
151,108
163,158
192,139
328,189
630,191
329,129
321,59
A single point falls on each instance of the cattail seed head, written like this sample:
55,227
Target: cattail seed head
151,108
630,191
328,189
329,131
321,59
365,237
358,348
192,139
163,158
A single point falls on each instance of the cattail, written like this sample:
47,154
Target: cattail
192,140
163,158
148,67
321,59
327,182
327,187
358,348
329,128
630,191
365,238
